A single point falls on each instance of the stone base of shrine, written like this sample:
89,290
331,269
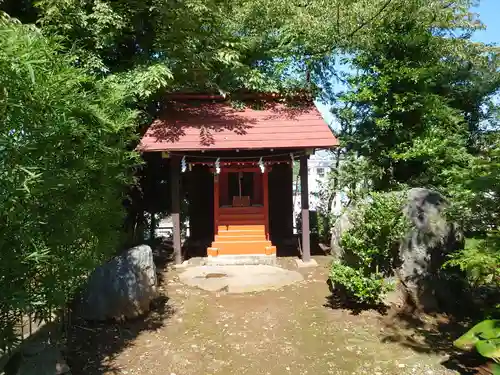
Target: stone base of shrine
230,260
253,259
238,279
240,250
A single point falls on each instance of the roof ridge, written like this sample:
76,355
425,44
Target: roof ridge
241,95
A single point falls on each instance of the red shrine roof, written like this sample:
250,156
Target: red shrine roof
189,125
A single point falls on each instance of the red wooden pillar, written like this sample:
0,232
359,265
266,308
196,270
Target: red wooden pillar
176,207
265,185
304,199
216,203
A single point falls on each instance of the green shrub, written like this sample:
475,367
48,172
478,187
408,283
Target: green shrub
324,225
370,247
480,259
64,166
359,286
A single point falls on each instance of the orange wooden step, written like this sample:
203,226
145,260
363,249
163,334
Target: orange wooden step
236,247
240,237
230,243
232,222
242,227
239,234
212,251
270,250
238,224
244,232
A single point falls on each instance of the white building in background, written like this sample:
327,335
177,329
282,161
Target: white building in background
320,164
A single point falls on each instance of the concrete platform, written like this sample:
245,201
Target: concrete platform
239,279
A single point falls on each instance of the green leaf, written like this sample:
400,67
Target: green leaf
489,348
484,332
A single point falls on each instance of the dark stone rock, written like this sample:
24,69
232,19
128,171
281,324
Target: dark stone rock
120,289
422,253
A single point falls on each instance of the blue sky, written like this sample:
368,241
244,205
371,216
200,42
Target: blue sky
489,13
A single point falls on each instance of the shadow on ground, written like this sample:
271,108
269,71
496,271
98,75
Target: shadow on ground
163,255
338,300
93,346
433,334
467,364
422,333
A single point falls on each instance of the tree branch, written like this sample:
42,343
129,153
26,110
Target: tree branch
363,24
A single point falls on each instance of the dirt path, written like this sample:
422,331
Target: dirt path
288,331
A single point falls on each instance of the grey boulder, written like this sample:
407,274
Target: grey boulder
121,289
422,253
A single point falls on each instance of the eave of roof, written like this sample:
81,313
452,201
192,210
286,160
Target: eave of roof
197,122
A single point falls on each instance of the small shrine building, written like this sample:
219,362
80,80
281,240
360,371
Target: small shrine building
235,160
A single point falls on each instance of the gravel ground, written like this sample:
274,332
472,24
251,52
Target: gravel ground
286,331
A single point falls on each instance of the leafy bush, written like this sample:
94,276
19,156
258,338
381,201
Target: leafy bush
356,284
480,259
323,225
64,165
370,247
319,224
